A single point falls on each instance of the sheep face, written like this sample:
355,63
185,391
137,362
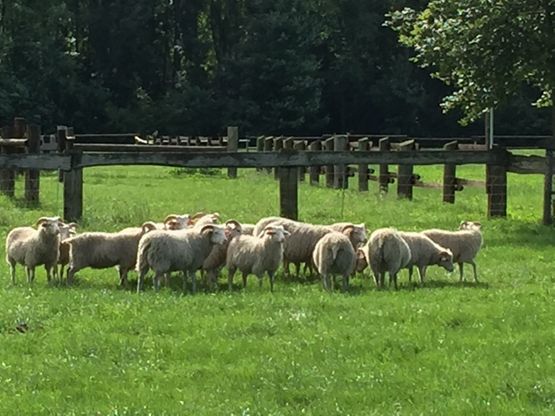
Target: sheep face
177,222
361,262
232,229
276,233
217,233
49,225
445,260
67,230
356,233
470,225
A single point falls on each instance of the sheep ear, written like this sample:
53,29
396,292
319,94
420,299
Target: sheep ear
72,225
41,220
148,226
195,217
233,224
286,233
444,255
207,228
171,217
348,229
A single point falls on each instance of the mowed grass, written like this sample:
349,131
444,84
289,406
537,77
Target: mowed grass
445,349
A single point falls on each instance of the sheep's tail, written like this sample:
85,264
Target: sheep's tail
334,251
142,257
382,242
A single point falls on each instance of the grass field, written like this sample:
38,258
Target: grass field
446,348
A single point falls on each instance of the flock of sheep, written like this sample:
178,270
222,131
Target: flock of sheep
190,243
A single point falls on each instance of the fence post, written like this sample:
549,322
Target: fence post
73,184
232,146
300,145
449,175
548,195
278,145
61,138
288,187
259,148
405,172
32,176
7,176
364,145
340,171
314,171
383,178
496,187
328,146
268,146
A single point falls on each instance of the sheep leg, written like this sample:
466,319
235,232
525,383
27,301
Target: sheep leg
48,272
271,275
325,282
286,268
461,278
123,277
12,270
394,278
297,270
475,272
194,281
422,273
140,280
245,275
410,274
345,283
28,273
71,272
230,274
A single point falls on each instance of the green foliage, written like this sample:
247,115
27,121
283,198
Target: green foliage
486,50
447,348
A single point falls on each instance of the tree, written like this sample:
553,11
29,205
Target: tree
487,50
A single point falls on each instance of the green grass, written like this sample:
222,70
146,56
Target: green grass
443,349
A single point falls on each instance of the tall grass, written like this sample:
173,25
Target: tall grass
446,348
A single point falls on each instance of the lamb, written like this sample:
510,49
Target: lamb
334,254
217,257
424,252
66,231
100,250
32,247
385,251
256,254
464,244
185,250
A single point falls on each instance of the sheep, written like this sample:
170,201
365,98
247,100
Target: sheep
464,244
424,252
256,254
247,229
334,254
100,250
32,247
185,250
217,257
298,248
66,231
385,251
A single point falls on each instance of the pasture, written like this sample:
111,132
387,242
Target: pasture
445,348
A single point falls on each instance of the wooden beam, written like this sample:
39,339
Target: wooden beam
268,146
527,164
384,146
328,146
146,148
497,190
73,191
259,147
300,146
278,145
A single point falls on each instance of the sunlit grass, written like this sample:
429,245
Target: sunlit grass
447,348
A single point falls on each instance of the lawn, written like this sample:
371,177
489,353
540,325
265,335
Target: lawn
446,348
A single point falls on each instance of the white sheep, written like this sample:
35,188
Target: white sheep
217,257
424,252
334,255
464,244
32,247
66,231
184,250
256,254
385,251
100,250
201,219
175,222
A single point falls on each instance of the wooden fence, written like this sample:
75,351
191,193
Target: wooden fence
335,159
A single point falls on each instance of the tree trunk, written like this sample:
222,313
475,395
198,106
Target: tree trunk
548,180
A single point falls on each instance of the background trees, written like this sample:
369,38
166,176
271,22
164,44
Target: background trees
195,66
